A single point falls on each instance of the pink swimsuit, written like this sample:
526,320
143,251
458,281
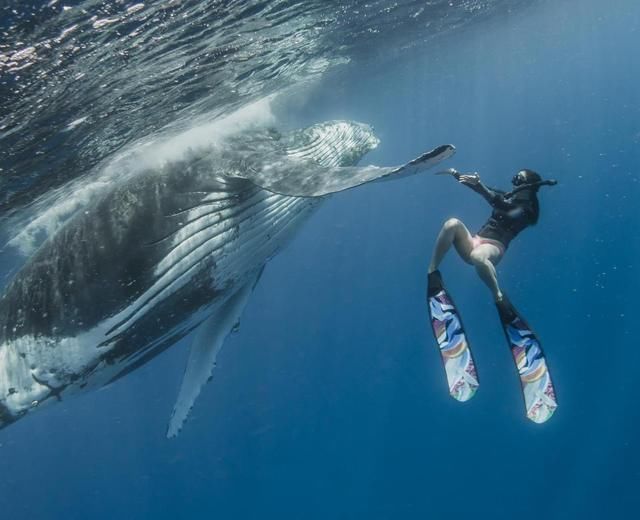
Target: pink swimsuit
478,241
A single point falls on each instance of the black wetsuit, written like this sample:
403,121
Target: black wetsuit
511,214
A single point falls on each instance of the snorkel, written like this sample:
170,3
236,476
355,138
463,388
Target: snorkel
528,180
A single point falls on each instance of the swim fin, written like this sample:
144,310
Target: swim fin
535,379
452,341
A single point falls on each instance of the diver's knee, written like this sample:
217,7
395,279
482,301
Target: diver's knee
451,224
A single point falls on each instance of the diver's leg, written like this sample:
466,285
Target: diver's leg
453,232
484,258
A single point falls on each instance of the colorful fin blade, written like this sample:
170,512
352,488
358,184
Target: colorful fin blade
535,379
454,348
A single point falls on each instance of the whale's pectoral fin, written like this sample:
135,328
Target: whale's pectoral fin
288,175
205,346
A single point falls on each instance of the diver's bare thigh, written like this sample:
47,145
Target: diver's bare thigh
487,252
463,242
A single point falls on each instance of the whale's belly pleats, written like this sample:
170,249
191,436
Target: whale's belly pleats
129,278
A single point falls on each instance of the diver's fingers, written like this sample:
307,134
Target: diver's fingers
469,179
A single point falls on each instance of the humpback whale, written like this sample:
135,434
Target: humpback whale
170,251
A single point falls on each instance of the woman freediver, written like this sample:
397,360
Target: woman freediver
512,212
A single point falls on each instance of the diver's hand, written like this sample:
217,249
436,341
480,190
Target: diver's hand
469,178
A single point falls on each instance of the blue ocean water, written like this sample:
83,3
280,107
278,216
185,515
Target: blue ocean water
331,400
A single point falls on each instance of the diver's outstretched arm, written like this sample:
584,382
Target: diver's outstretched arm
491,195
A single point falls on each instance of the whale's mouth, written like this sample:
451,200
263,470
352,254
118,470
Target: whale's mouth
369,137
332,143
359,135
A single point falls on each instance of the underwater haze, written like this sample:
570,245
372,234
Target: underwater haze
330,401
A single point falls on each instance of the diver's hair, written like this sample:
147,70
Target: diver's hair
532,177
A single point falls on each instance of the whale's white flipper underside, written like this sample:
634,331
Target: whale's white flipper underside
206,344
287,175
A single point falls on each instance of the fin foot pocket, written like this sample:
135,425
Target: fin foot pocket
435,284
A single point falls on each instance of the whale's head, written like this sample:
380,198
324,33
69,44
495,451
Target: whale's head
333,143
323,159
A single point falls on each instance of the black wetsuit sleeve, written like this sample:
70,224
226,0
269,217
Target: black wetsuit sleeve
494,197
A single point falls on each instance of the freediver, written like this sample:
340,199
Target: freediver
512,212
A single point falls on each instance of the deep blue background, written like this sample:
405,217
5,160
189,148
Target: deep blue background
331,401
